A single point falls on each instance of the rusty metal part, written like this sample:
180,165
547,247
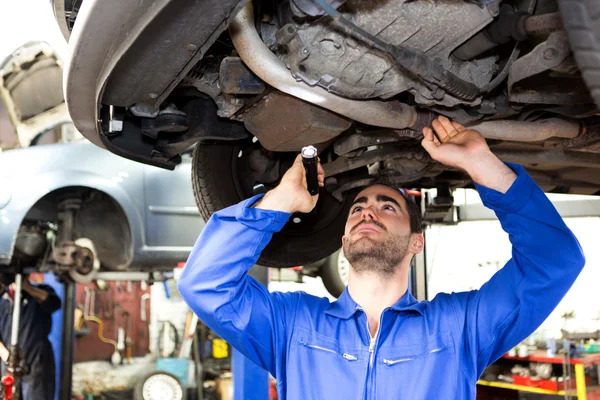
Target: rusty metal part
516,131
588,141
550,157
544,22
285,123
523,131
555,158
236,78
269,68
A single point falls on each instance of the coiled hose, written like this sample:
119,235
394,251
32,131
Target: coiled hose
100,329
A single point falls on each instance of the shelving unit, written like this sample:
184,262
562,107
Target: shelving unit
581,391
512,386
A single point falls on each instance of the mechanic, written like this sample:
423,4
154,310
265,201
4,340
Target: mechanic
39,301
377,341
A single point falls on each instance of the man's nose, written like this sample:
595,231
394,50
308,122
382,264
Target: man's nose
368,213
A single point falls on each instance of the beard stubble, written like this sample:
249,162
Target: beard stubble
383,257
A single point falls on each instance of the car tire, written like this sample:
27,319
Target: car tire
139,390
334,273
581,19
216,186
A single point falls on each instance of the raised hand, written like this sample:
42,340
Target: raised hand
459,147
455,145
291,195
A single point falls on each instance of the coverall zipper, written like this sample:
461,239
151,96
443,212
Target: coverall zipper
372,348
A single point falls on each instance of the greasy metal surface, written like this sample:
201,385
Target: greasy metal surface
168,47
272,70
204,125
522,131
545,22
322,54
284,123
545,56
236,78
542,89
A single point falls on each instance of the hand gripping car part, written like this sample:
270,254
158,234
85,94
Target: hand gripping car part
309,160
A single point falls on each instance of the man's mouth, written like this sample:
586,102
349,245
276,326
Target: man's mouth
373,226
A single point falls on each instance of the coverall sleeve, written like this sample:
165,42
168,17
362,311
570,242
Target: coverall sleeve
53,302
546,260
216,285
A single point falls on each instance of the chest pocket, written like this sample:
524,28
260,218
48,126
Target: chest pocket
317,360
320,347
425,366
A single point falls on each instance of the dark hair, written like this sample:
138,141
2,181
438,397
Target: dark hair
413,209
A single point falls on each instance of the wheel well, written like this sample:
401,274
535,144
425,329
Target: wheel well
100,219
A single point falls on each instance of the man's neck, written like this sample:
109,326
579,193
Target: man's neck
374,293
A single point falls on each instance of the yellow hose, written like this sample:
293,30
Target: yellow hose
100,329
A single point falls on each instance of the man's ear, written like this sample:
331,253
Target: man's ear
343,240
417,241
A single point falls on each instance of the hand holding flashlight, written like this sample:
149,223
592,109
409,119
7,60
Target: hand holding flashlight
292,194
310,162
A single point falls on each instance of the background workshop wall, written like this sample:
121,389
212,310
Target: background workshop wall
464,256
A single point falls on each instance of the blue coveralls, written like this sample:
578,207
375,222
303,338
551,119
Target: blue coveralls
35,326
427,350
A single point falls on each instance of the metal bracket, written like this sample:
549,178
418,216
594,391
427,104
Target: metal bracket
547,55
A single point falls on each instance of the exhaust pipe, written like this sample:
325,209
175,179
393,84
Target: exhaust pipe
257,56
523,131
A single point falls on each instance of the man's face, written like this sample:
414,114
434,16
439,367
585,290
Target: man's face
377,233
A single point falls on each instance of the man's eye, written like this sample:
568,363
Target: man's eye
388,207
355,209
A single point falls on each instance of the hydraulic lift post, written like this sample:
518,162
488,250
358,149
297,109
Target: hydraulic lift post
16,367
68,331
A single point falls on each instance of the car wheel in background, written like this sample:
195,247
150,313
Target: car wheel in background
334,273
222,175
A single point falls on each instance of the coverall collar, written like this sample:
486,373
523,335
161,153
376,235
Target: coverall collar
345,307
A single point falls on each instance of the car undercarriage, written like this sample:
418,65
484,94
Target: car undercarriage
250,83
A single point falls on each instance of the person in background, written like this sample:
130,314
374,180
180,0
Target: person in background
38,302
